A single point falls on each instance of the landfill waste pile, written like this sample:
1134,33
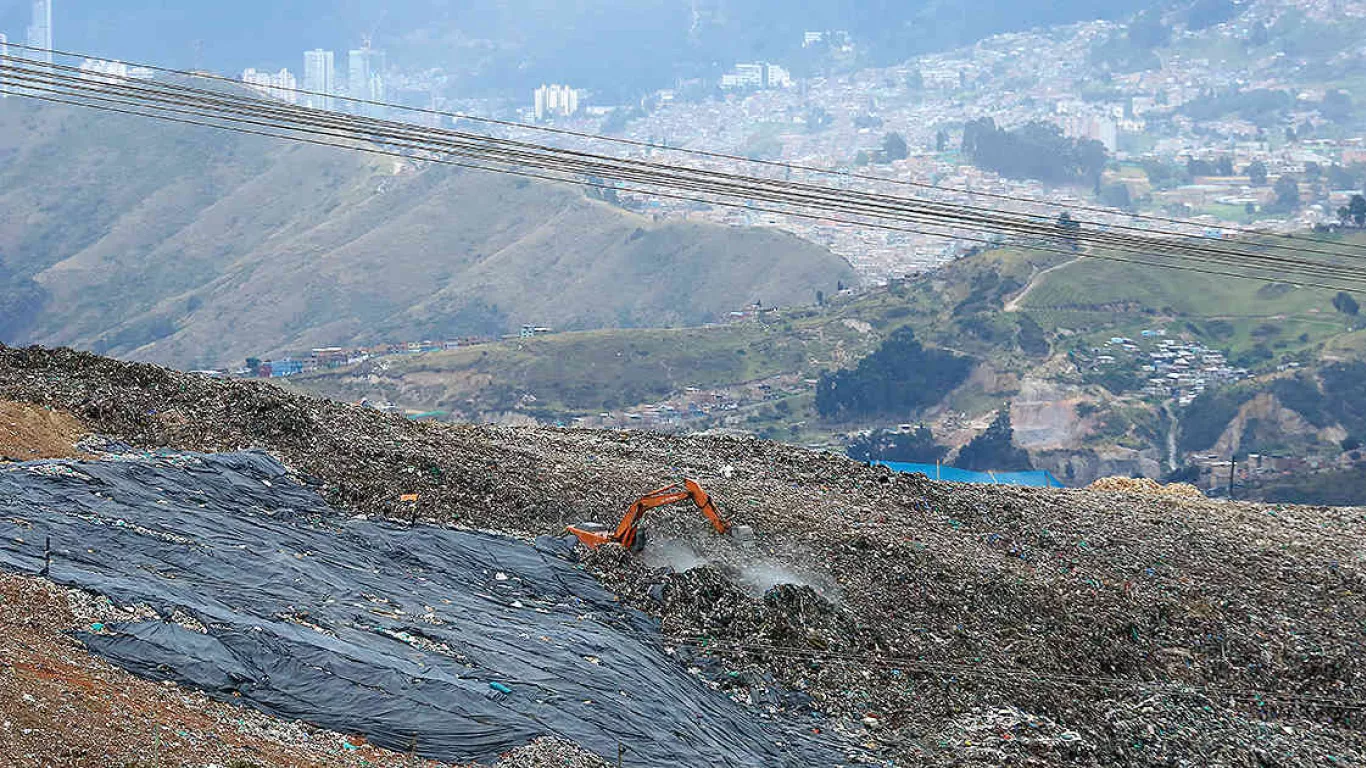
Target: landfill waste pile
1145,486
929,623
452,645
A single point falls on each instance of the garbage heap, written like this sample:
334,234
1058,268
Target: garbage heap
933,623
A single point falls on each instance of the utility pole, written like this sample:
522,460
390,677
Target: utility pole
1232,468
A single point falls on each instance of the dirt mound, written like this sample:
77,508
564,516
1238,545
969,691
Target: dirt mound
1127,629
1143,486
30,432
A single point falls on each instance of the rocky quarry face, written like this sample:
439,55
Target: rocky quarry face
907,622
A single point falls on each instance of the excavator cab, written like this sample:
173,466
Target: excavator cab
627,532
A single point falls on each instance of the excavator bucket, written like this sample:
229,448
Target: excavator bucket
592,535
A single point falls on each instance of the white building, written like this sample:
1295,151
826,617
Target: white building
40,31
556,101
1102,129
777,77
105,71
755,76
282,85
320,79
365,79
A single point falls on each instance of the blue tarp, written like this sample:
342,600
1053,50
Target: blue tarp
1037,479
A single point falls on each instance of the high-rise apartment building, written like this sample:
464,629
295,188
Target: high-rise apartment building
365,79
280,85
556,101
40,31
320,79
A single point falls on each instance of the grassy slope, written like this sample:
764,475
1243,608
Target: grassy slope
1100,299
197,247
580,373
574,374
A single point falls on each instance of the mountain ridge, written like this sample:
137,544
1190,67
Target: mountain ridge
197,248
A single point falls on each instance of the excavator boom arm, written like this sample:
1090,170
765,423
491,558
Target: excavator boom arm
626,531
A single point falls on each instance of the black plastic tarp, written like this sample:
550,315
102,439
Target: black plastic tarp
455,645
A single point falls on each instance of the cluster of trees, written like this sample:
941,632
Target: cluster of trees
1133,50
1036,150
1354,212
1344,303
1221,166
1287,191
995,449
915,447
894,147
900,377
1341,488
1204,14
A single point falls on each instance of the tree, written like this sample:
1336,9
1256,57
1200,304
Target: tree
820,298
1036,150
898,378
1225,166
1357,207
1312,171
1344,303
1256,173
995,449
894,148
941,140
917,447
1287,193
1345,215
862,159
1336,106
1069,229
1117,196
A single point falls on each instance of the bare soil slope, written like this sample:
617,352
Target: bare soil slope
30,432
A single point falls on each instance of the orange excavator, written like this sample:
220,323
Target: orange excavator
626,533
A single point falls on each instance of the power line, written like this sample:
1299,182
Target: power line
944,209
708,154
765,189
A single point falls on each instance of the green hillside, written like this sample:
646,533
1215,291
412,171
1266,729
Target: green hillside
196,248
1024,319
574,374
